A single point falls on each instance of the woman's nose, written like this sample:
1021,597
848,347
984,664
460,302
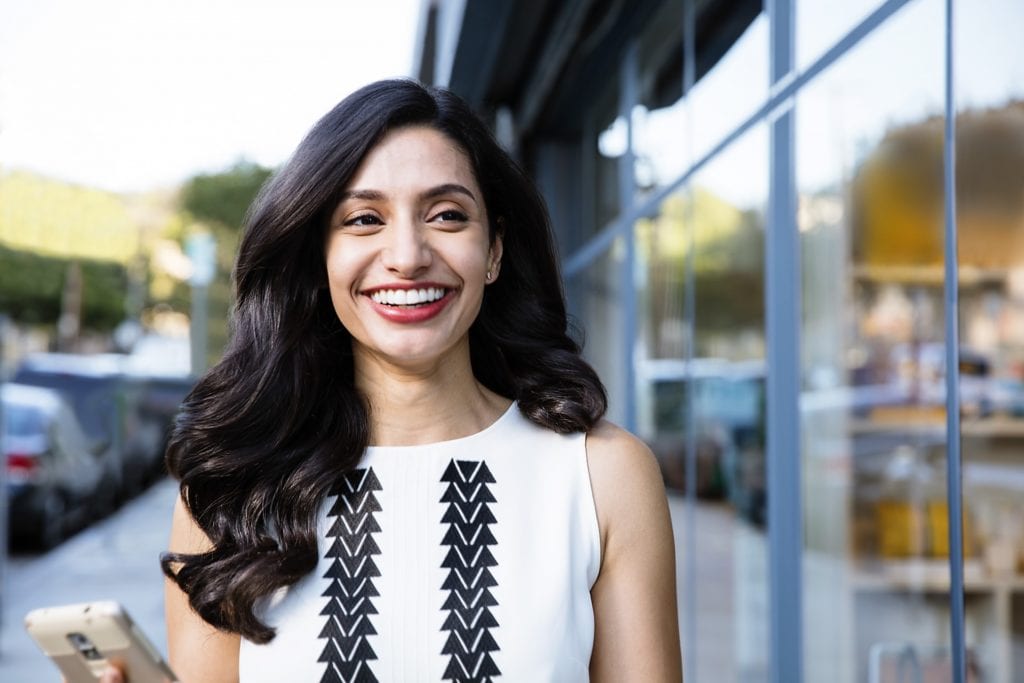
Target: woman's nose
407,251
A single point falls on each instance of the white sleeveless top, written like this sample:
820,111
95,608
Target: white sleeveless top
468,560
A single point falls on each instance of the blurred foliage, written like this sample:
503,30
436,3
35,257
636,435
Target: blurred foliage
31,286
219,202
225,197
728,245
51,217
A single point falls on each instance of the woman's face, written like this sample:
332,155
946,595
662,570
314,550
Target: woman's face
408,250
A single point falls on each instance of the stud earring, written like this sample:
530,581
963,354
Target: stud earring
489,276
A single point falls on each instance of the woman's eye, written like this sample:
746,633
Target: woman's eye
452,216
363,220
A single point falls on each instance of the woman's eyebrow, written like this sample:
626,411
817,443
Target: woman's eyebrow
371,195
448,188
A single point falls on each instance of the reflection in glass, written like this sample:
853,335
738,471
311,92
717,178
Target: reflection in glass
990,222
658,117
598,288
822,23
717,104
606,140
869,168
723,386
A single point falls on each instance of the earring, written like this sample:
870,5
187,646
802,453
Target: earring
488,276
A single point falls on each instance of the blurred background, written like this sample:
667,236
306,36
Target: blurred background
676,141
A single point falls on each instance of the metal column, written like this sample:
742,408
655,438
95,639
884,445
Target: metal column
782,312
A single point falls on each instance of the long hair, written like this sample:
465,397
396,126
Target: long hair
268,432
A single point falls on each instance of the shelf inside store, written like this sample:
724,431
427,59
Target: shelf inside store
979,427
931,576
932,276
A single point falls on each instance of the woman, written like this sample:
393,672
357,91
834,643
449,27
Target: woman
399,469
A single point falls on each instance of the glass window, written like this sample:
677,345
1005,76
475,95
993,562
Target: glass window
606,140
732,90
598,291
990,222
659,124
722,220
870,214
822,23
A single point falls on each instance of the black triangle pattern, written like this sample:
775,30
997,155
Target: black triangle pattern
469,620
351,548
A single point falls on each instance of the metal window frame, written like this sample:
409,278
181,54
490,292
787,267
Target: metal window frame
951,293
782,339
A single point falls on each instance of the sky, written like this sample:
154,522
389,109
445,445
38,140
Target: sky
129,96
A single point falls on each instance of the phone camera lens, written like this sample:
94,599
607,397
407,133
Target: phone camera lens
81,642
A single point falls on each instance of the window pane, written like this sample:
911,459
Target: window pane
598,288
990,219
659,124
732,90
869,169
724,387
820,23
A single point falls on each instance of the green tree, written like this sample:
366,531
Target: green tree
223,198
219,201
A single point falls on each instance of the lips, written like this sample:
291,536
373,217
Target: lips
410,303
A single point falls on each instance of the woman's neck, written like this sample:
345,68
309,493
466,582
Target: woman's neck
437,402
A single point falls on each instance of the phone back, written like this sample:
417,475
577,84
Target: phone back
83,639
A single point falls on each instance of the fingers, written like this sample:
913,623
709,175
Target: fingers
112,675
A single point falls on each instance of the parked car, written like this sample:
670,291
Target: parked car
107,406
56,479
120,401
727,399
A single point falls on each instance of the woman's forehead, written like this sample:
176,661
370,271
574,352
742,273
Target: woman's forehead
414,157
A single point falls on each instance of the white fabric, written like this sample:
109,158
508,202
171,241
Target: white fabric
546,547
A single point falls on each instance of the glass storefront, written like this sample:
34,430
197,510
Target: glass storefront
989,63
870,216
670,290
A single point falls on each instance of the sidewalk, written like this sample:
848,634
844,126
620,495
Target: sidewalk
117,559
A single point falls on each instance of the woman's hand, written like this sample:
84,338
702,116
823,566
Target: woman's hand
112,675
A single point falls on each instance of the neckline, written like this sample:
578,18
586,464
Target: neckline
447,443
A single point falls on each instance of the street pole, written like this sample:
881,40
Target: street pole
202,251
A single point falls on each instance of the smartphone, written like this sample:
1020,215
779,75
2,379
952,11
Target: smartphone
82,640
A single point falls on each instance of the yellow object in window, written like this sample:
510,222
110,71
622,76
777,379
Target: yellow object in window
900,529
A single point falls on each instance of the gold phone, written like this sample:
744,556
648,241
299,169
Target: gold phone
83,639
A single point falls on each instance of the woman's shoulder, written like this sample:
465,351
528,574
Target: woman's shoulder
615,451
625,478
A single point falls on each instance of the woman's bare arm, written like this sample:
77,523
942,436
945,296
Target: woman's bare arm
636,635
198,652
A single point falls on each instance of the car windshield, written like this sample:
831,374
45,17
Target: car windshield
23,420
94,398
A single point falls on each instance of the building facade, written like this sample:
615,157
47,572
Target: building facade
792,236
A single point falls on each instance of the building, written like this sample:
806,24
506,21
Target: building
750,202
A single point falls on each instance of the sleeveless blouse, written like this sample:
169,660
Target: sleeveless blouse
467,560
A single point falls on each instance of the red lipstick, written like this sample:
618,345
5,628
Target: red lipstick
408,314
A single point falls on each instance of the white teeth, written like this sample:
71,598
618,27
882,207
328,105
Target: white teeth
407,297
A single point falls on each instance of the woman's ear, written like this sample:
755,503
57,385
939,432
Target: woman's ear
496,250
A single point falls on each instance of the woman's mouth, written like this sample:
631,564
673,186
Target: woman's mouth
408,298
411,304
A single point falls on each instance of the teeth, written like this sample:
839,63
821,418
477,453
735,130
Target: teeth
407,297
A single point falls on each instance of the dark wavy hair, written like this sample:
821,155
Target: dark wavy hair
268,432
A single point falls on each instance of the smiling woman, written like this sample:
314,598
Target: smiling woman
399,470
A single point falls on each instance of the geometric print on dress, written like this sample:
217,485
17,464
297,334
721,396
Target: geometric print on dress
469,580
349,605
